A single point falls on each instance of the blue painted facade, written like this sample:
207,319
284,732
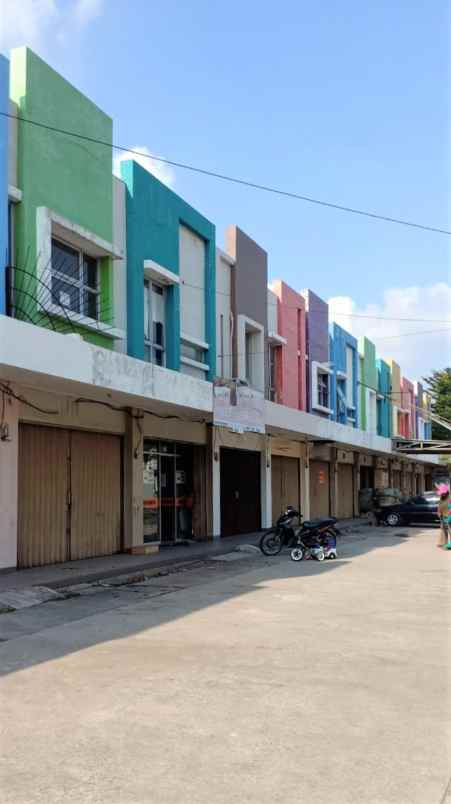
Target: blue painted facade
154,216
339,342
4,105
384,408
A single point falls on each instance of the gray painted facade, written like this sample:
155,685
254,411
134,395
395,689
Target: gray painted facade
249,290
317,336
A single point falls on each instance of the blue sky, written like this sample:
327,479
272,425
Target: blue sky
345,102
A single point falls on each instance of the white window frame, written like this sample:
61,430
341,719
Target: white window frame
320,368
148,337
200,347
79,282
50,224
247,326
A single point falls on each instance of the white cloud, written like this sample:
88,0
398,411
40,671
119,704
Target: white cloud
85,11
146,159
37,23
26,22
417,354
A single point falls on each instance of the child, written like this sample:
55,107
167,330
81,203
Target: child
444,512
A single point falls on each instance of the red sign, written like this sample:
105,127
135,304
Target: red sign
321,477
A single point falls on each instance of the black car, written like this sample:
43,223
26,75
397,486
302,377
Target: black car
421,509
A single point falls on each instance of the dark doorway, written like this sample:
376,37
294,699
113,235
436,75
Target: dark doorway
366,477
240,492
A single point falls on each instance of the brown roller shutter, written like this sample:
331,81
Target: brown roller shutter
319,489
43,485
285,484
96,498
345,501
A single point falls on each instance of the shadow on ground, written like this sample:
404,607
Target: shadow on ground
33,636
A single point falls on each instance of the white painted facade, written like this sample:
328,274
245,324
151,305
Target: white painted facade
192,261
224,316
120,263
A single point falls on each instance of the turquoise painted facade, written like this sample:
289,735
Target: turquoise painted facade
384,408
340,342
4,96
154,216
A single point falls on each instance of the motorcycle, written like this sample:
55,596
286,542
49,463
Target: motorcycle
322,532
282,535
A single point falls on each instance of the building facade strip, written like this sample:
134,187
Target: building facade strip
4,152
291,365
159,224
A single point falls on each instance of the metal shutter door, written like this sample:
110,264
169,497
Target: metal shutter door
96,514
319,489
43,476
345,502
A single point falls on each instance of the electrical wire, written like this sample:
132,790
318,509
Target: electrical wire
233,179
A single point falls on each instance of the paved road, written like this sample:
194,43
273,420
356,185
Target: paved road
253,680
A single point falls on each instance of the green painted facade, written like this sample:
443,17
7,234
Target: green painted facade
69,176
368,378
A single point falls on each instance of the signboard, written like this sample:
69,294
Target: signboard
321,477
238,408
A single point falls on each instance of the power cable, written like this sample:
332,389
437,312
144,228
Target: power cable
233,179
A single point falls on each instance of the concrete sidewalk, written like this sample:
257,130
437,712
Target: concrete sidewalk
88,570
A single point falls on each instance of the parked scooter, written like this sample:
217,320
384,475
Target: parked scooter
321,532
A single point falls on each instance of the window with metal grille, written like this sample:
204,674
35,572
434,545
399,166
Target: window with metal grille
75,280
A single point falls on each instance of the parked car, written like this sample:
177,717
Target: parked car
421,509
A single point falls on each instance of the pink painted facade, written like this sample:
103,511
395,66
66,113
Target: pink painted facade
407,414
291,360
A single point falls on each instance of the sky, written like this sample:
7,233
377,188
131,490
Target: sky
344,102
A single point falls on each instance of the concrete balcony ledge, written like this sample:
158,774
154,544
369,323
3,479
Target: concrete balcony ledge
281,420
67,364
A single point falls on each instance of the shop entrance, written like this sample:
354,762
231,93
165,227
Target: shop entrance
168,491
366,477
240,492
345,496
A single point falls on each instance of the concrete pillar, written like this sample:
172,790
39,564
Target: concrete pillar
213,446
304,478
133,481
333,482
356,482
9,464
266,484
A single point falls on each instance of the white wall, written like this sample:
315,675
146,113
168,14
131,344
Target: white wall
192,283
224,321
120,266
58,362
273,324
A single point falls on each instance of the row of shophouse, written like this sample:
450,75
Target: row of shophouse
153,387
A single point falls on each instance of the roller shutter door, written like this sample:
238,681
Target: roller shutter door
70,495
345,501
285,484
43,490
319,489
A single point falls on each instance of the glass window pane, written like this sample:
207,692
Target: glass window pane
65,294
90,304
65,260
90,271
158,357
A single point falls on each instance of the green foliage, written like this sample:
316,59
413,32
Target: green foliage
439,387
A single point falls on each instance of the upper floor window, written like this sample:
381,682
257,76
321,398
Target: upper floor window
154,322
272,376
323,389
75,282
